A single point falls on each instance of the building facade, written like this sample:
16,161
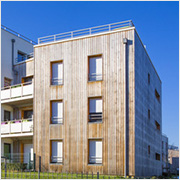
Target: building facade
165,167
96,103
173,157
17,67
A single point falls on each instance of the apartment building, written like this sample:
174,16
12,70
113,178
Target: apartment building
165,167
173,157
17,69
96,103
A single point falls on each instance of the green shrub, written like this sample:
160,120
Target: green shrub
14,166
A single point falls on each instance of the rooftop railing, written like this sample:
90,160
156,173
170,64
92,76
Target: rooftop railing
85,32
18,35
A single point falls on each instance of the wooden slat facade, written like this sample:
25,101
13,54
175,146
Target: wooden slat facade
75,91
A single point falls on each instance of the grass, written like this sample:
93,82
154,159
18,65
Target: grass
45,175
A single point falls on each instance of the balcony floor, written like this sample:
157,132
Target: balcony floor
18,101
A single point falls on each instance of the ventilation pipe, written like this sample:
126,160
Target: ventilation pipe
125,107
14,71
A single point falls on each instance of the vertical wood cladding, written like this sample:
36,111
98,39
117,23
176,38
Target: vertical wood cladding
75,91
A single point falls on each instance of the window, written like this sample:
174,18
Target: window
95,68
157,125
21,56
149,114
162,145
95,151
95,109
149,150
157,156
7,115
57,112
28,114
157,95
148,78
7,82
57,73
56,151
27,79
7,150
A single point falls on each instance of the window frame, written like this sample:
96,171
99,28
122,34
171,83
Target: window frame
149,78
149,114
95,139
158,126
157,157
157,95
51,63
94,97
8,79
5,111
57,100
149,150
56,163
88,66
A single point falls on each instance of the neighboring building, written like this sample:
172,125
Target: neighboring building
173,157
97,103
17,67
165,154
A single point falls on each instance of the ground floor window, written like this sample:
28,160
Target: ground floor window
56,151
7,150
95,151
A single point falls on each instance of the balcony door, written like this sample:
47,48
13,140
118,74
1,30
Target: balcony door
7,150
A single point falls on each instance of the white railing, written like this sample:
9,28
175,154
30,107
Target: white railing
17,91
85,32
17,126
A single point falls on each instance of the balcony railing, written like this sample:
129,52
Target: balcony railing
55,159
85,32
95,160
56,120
17,126
95,117
95,77
24,57
56,81
17,91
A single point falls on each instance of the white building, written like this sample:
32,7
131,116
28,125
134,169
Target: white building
16,94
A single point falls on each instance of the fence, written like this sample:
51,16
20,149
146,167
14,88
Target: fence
11,168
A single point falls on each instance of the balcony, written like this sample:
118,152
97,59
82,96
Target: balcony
24,57
17,92
22,127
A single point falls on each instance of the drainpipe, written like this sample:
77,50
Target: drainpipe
125,108
14,71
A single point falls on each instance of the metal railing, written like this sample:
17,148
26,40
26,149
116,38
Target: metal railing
95,160
95,77
86,31
24,57
18,35
56,120
56,81
56,159
95,117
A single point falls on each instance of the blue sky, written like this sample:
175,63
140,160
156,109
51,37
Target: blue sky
157,24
